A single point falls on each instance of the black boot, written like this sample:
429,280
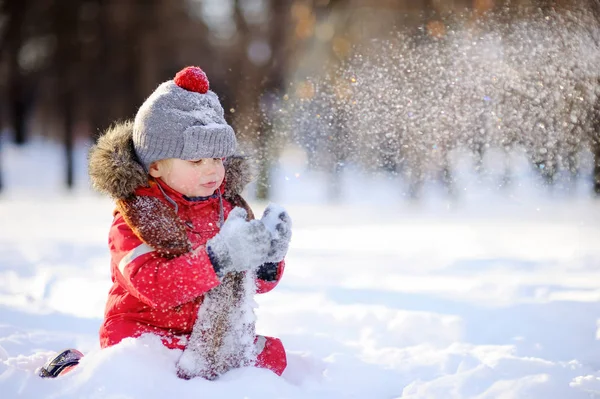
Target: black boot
61,362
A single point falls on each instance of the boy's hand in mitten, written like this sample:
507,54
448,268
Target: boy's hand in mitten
240,245
279,224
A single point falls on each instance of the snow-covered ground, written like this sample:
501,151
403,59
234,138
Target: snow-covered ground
496,296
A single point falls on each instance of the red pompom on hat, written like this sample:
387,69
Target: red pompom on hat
192,78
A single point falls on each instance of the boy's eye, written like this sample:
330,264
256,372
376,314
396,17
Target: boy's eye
203,160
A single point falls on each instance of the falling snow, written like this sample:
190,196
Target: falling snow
408,104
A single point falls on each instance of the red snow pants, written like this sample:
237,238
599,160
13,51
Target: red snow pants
271,354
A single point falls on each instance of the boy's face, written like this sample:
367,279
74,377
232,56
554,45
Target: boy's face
191,178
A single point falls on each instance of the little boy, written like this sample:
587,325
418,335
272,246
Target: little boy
177,184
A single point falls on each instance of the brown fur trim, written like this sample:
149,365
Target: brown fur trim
112,164
238,200
238,173
156,224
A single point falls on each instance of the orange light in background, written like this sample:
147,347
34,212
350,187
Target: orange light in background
341,47
300,11
305,20
305,90
436,29
305,27
483,6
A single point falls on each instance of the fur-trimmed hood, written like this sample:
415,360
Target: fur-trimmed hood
114,169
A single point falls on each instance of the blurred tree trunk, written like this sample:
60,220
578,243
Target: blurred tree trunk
98,98
149,58
245,87
16,94
595,146
258,84
267,140
596,152
594,7
1,170
66,61
67,104
124,52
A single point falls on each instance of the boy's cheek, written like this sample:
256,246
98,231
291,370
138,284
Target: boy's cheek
192,177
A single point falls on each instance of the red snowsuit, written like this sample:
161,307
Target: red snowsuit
152,294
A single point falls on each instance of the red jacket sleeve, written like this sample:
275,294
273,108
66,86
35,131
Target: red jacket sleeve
159,282
263,286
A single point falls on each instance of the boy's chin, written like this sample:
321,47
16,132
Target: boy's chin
200,193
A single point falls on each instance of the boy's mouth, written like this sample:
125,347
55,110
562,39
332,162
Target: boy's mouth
210,184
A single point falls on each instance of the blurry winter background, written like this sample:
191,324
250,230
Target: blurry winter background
440,159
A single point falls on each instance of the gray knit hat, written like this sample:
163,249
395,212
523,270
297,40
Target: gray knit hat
182,119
